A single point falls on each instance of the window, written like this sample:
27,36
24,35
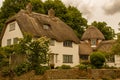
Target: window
111,58
84,57
15,40
46,26
12,26
8,42
67,58
52,42
67,43
93,42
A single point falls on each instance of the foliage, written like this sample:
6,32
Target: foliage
3,58
65,67
10,8
22,68
97,59
41,69
82,66
70,15
5,72
116,46
107,31
74,19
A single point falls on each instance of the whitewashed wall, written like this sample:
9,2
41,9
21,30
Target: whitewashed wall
11,34
61,50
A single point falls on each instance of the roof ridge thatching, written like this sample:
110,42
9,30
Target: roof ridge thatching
92,33
33,23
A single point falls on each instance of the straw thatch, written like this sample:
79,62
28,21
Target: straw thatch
92,33
33,23
106,46
84,48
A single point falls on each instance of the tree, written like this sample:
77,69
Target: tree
38,6
36,50
116,46
97,59
107,31
10,8
74,19
70,15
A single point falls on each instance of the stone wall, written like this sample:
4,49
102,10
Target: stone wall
75,74
82,74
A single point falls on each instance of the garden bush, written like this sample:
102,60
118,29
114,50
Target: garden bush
65,67
97,59
41,69
22,68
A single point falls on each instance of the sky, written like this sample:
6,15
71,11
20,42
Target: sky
97,10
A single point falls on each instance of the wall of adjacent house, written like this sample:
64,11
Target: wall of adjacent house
11,34
60,50
117,60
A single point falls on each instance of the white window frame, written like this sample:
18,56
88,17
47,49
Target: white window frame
67,43
93,42
9,42
52,42
12,26
46,27
15,40
67,58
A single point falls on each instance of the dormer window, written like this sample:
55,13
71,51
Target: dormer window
12,26
52,42
93,42
46,26
67,43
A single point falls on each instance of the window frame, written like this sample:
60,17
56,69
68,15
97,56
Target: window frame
46,26
15,40
67,58
93,42
84,57
67,43
12,26
52,42
9,42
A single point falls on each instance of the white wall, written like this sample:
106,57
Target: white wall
57,49
61,50
11,34
116,63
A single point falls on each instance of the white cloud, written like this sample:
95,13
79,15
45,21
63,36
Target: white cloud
112,7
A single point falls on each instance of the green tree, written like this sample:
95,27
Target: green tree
116,46
37,6
97,59
107,31
70,15
10,8
74,19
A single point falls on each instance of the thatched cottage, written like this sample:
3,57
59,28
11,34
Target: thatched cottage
65,46
64,43
93,40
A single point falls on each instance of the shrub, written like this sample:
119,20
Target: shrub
97,59
65,67
22,68
6,72
41,69
82,66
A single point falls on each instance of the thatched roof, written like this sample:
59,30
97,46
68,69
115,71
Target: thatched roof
92,33
106,46
84,48
33,23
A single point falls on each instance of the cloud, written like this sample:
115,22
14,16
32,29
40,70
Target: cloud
112,7
85,8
